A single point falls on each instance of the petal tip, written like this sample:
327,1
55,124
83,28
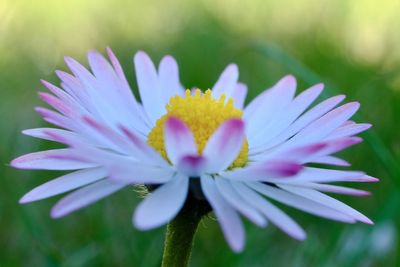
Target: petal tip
25,199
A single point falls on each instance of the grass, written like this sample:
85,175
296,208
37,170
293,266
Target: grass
203,40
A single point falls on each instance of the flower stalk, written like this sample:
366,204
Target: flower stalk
180,234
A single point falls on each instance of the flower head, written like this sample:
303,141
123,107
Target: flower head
205,145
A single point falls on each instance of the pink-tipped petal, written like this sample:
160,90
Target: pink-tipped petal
56,118
224,145
192,166
55,159
179,140
264,171
117,66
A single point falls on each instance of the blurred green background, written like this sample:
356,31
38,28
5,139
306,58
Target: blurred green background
351,46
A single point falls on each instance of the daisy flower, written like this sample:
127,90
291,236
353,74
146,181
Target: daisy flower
203,145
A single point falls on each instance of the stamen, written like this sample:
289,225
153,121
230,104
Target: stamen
203,114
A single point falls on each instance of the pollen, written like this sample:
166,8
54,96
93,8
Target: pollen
203,114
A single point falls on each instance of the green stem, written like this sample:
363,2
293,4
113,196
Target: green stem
180,235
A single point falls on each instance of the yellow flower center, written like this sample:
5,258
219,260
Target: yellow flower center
203,114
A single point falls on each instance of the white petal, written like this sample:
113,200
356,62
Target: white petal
64,184
238,202
124,108
263,109
282,120
162,205
334,189
330,160
239,95
304,120
224,145
275,215
349,130
228,218
311,174
133,172
327,201
325,125
84,197
179,140
227,82
301,203
169,79
146,152
147,80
